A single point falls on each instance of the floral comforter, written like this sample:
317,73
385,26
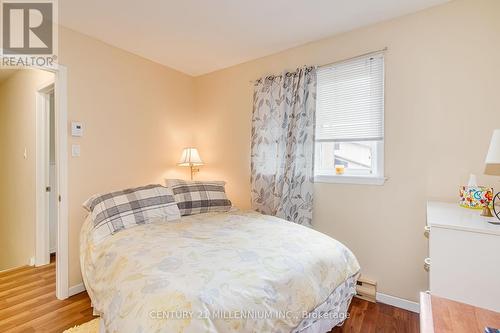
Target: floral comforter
229,272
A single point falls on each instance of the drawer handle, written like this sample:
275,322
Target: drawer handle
427,264
427,231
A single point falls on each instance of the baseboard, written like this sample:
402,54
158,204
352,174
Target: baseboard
76,289
398,302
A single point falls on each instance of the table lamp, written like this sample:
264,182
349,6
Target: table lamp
493,168
191,158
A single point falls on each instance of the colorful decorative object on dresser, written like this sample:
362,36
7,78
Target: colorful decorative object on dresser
191,158
493,168
475,197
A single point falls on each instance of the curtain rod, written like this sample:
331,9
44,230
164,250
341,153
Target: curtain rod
345,59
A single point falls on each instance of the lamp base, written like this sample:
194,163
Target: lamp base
195,169
486,212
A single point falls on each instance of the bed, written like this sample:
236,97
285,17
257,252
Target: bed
218,272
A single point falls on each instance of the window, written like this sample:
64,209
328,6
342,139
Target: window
349,145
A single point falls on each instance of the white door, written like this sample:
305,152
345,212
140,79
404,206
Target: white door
52,181
46,211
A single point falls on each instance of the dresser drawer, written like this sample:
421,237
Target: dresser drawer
465,267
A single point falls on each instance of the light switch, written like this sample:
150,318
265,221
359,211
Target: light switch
75,150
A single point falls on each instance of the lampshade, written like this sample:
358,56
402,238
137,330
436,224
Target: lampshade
493,157
190,157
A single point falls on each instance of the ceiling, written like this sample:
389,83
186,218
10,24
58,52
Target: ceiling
6,73
201,36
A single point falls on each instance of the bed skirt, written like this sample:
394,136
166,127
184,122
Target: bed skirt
332,312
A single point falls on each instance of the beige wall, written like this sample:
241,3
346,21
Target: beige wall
17,174
137,118
441,106
442,88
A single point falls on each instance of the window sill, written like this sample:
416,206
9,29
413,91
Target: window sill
343,179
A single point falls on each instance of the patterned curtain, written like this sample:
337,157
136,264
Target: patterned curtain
283,145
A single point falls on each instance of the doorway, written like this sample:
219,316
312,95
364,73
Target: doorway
46,231
52,173
19,155
34,158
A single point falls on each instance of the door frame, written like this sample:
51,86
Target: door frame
42,250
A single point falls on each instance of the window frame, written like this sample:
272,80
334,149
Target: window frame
377,177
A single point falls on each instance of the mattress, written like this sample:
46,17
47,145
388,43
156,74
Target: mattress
220,272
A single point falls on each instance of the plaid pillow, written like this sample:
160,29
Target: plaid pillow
119,210
195,197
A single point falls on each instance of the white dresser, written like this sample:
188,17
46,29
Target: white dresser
464,254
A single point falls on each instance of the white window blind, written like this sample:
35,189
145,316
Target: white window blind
350,100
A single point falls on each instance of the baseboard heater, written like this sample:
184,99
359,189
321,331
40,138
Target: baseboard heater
366,289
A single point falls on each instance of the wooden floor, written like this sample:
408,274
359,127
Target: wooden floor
366,317
28,304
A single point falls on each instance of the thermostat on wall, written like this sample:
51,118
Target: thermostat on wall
76,128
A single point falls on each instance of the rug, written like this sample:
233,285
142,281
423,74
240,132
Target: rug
89,327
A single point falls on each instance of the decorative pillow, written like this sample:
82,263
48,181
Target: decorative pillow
119,210
195,197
